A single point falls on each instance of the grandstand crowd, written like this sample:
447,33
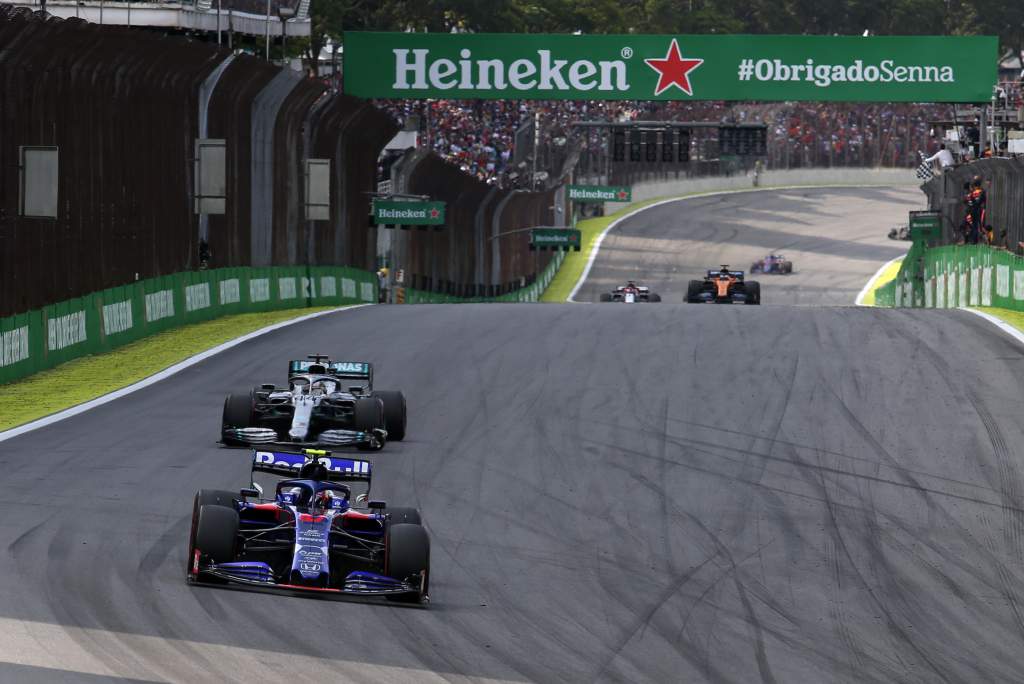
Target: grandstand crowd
479,136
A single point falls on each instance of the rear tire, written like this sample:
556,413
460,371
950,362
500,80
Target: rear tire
605,297
693,290
237,414
408,554
368,414
787,266
753,289
394,413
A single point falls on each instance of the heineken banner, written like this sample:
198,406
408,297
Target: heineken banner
555,238
645,67
600,193
401,213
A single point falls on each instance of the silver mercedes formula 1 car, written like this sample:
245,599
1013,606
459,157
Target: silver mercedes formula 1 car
324,404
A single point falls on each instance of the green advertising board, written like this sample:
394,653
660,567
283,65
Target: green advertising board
925,226
406,213
685,67
600,193
555,238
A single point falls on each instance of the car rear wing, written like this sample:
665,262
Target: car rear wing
288,464
356,370
717,272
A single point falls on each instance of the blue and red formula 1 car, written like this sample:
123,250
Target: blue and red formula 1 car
772,263
309,537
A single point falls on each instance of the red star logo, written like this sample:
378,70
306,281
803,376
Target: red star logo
673,70
623,194
434,213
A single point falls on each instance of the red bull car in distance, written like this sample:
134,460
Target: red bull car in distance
309,536
724,287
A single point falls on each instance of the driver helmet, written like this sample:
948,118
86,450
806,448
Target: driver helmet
329,498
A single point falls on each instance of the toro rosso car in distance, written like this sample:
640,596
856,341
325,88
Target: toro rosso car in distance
773,263
325,403
309,537
724,287
630,293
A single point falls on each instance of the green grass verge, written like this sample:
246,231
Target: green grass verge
1014,318
572,268
883,278
78,381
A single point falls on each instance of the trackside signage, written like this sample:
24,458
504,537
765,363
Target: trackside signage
651,67
399,212
600,193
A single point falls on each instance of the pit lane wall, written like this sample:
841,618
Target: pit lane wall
125,107
101,321
530,293
957,276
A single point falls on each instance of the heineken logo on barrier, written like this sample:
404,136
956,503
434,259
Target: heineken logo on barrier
600,193
555,238
398,212
652,67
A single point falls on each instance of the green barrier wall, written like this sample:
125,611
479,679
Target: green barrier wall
105,320
957,276
531,293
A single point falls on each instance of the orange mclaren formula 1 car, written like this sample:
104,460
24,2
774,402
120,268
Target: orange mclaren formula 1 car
724,287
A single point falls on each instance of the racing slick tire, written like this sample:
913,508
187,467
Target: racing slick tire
654,298
605,297
753,289
394,413
404,515
755,268
693,290
408,554
237,414
368,414
215,497
214,534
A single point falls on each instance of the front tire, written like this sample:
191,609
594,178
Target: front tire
394,413
237,414
654,298
408,557
605,297
368,414
402,515
214,535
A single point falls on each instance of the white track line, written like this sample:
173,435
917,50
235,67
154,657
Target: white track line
878,274
600,238
157,377
999,323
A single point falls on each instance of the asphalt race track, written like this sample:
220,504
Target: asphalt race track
667,493
836,239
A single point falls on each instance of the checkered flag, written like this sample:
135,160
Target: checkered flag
924,169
